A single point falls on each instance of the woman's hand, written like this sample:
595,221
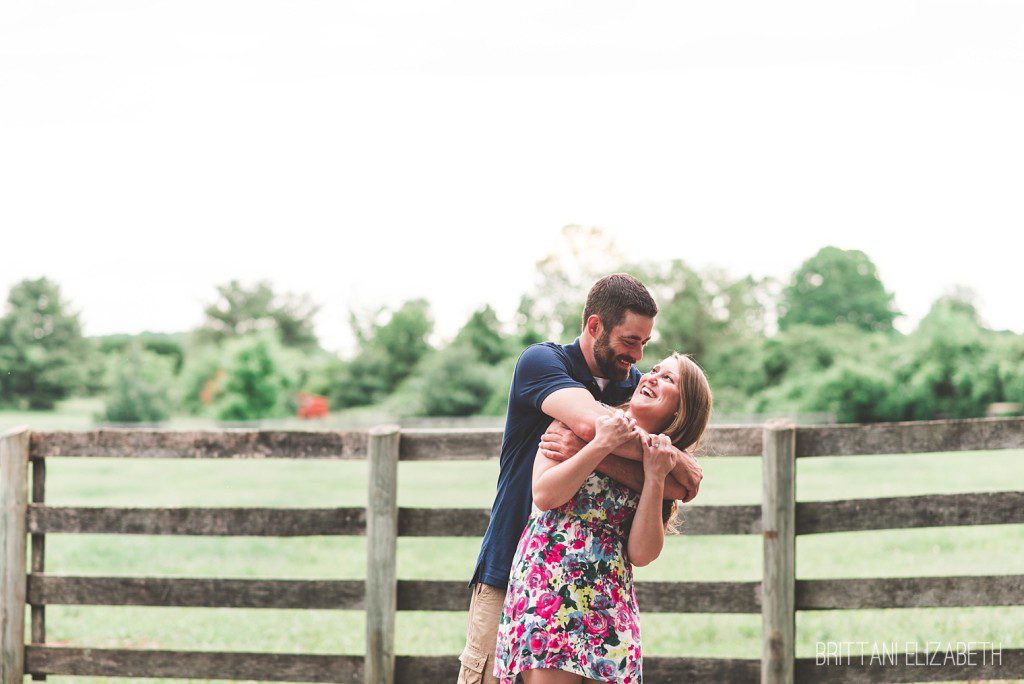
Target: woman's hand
660,457
614,429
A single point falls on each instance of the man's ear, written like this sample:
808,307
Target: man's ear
594,327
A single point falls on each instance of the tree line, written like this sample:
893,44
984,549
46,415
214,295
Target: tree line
822,341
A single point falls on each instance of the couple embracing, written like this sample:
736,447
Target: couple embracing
593,463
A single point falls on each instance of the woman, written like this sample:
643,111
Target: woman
570,614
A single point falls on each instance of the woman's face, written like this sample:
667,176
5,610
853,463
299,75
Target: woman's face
657,396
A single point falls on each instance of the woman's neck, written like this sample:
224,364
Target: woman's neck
644,421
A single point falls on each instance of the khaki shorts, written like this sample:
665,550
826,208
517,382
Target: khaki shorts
481,635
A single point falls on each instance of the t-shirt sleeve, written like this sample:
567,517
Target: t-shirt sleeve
540,371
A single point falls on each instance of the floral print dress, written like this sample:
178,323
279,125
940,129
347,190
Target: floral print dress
570,603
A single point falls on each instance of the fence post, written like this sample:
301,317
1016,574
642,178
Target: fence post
778,522
381,547
13,545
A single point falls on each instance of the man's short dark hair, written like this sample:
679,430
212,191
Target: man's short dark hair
612,296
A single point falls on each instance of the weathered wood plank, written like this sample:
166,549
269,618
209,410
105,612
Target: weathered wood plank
421,669
485,443
116,662
998,664
226,443
778,612
924,436
472,522
450,444
910,592
13,542
901,512
46,589
265,522
381,555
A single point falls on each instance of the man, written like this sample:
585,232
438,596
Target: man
573,384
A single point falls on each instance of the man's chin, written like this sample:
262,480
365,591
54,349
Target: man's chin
617,374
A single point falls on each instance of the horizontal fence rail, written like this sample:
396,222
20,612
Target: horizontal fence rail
37,589
975,434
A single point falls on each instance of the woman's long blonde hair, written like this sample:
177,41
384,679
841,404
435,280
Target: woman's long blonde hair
687,426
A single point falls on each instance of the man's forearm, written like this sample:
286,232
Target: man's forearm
631,474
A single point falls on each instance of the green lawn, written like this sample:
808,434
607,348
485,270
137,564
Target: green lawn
992,549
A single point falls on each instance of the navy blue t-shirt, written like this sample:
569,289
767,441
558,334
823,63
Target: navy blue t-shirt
542,369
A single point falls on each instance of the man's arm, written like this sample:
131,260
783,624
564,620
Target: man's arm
578,410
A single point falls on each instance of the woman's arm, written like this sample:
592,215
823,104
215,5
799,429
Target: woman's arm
555,482
560,443
647,534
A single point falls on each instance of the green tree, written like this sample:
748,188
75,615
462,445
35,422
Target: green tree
240,310
140,386
947,370
390,345
255,384
482,333
456,383
837,286
41,346
854,392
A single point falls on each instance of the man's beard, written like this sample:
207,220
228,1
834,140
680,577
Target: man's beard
606,362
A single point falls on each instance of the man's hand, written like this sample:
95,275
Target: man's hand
689,474
560,443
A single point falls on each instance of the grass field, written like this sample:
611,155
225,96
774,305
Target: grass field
979,550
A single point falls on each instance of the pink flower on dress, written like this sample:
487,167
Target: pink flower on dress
536,543
548,604
596,622
557,642
538,640
537,577
519,606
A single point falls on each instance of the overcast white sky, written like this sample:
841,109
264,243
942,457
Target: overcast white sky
372,152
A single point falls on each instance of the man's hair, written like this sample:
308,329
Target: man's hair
612,296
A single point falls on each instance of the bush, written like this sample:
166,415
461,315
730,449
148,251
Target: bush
854,393
201,381
255,384
140,387
456,383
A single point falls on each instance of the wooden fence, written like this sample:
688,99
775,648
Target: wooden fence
778,519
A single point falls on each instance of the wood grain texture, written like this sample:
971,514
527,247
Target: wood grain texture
226,443
910,592
246,522
778,612
381,556
46,589
901,512
13,548
118,662
925,436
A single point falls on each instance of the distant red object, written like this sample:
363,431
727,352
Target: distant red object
312,405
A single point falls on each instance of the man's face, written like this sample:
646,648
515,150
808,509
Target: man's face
617,349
